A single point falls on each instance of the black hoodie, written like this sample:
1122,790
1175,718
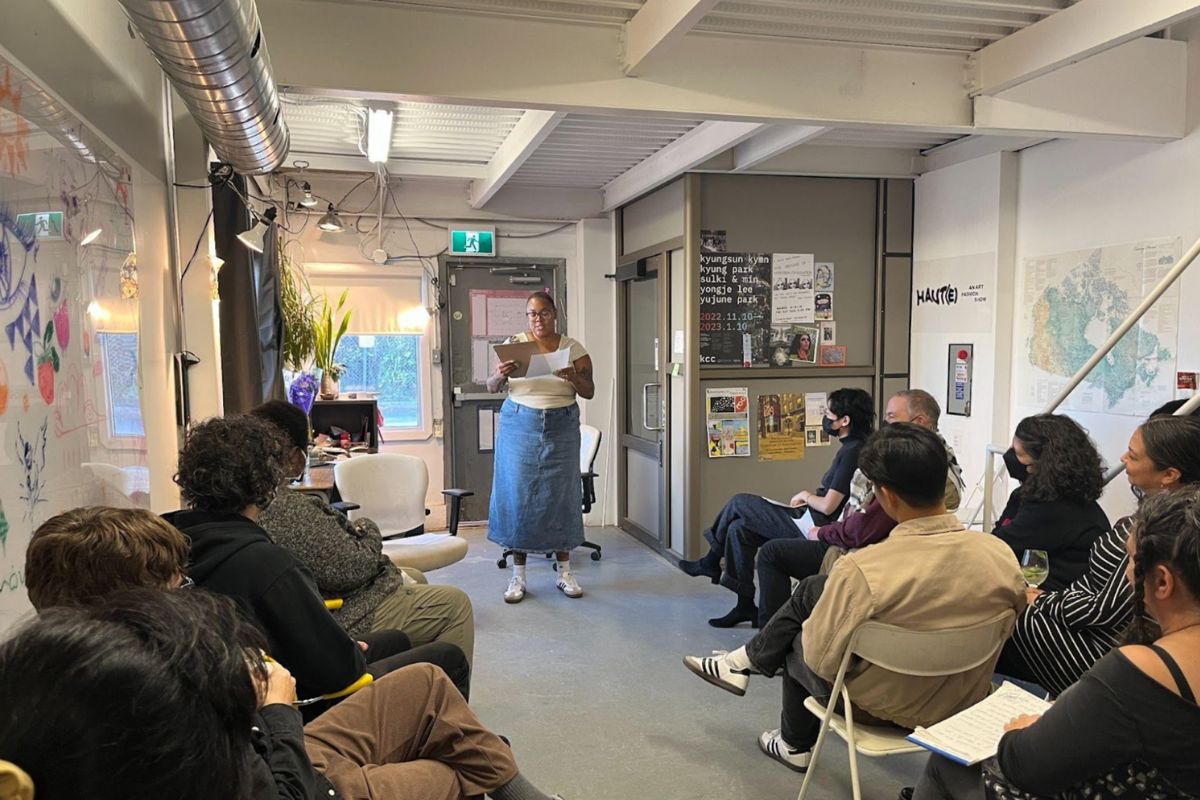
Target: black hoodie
233,556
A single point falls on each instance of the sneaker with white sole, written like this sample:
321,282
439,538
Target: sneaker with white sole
568,585
515,592
716,670
772,743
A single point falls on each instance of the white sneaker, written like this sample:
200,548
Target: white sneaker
515,592
772,743
569,586
716,670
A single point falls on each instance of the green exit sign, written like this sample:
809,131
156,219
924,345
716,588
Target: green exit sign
41,224
474,242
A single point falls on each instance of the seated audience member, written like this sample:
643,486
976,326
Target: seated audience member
1054,509
863,521
749,521
157,694
1063,633
928,574
346,558
1128,729
229,470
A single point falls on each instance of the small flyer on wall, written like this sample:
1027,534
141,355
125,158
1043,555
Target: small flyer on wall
727,414
815,404
823,278
780,427
823,305
791,288
712,241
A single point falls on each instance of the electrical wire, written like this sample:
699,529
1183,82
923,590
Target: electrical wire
196,249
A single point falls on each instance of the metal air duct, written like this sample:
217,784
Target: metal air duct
214,55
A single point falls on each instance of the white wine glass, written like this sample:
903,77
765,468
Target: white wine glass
1035,566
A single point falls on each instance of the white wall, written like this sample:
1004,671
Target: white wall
586,247
1069,195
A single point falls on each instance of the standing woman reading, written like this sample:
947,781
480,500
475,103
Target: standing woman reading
536,496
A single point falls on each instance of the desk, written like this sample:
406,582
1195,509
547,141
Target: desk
317,480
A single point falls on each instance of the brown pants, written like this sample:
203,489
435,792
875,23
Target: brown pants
408,736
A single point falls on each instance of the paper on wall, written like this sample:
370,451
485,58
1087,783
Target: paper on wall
791,288
505,315
487,430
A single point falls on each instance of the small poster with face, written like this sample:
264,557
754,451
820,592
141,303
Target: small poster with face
796,345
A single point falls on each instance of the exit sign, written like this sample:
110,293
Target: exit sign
42,224
473,242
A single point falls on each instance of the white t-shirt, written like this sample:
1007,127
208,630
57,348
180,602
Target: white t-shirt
547,391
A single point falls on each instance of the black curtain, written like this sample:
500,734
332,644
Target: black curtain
250,318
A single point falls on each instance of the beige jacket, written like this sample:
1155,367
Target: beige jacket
930,573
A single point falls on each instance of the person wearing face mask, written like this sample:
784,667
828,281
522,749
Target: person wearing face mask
1128,729
1063,633
1054,509
749,521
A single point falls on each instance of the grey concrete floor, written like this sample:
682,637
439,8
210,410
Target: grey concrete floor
595,698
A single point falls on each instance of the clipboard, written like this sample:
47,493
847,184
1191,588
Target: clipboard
520,352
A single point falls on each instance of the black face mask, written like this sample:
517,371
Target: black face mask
827,426
1018,471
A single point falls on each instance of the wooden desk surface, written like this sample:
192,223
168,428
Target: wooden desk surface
318,479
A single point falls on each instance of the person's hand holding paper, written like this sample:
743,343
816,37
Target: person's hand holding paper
530,361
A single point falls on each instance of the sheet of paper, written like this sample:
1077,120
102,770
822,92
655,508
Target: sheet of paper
972,735
478,313
520,352
805,524
542,364
483,360
487,430
505,315
791,288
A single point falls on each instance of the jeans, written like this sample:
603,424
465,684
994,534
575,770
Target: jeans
779,561
768,652
746,523
944,779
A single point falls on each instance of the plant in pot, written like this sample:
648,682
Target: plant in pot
300,311
327,334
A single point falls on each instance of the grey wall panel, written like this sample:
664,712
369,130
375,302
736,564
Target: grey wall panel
655,218
644,501
832,218
721,478
898,230
897,314
893,385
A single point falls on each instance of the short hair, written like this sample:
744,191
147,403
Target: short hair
542,296
150,694
1166,530
910,460
289,418
79,557
231,463
1067,464
858,406
921,402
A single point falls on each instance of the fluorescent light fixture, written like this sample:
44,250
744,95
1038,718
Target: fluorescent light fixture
331,222
379,135
91,237
308,201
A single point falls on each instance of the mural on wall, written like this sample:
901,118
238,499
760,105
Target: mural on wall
71,429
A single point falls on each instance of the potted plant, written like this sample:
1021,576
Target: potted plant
327,334
300,310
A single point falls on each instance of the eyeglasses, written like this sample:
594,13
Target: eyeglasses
545,313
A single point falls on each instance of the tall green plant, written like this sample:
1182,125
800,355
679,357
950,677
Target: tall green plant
300,311
327,335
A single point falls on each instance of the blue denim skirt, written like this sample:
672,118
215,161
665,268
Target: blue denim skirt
537,504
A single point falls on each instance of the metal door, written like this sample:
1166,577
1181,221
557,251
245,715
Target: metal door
485,304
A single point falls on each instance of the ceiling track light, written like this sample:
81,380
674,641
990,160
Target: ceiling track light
379,135
308,201
251,237
331,222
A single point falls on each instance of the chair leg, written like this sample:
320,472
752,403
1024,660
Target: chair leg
816,751
455,509
851,744
592,546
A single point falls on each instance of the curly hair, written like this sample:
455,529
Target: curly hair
163,684
288,418
858,406
1166,531
231,463
1066,463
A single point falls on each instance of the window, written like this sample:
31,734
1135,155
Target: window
389,364
119,352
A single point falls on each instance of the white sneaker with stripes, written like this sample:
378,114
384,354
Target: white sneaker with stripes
716,670
567,584
772,743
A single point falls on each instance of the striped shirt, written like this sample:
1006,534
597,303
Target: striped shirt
1065,632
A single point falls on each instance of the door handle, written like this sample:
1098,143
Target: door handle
646,403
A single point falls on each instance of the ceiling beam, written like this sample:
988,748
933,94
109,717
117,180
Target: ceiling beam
771,142
521,142
656,25
1071,35
397,167
970,148
832,161
690,150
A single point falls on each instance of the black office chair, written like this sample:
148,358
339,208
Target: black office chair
589,446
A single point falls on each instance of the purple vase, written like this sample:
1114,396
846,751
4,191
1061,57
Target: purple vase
303,391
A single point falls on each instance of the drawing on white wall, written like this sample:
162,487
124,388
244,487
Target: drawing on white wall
1073,302
31,456
27,325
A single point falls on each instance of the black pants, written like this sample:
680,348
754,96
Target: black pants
768,652
779,561
746,523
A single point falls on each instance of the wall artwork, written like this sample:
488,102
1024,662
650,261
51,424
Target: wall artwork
727,414
780,427
832,355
